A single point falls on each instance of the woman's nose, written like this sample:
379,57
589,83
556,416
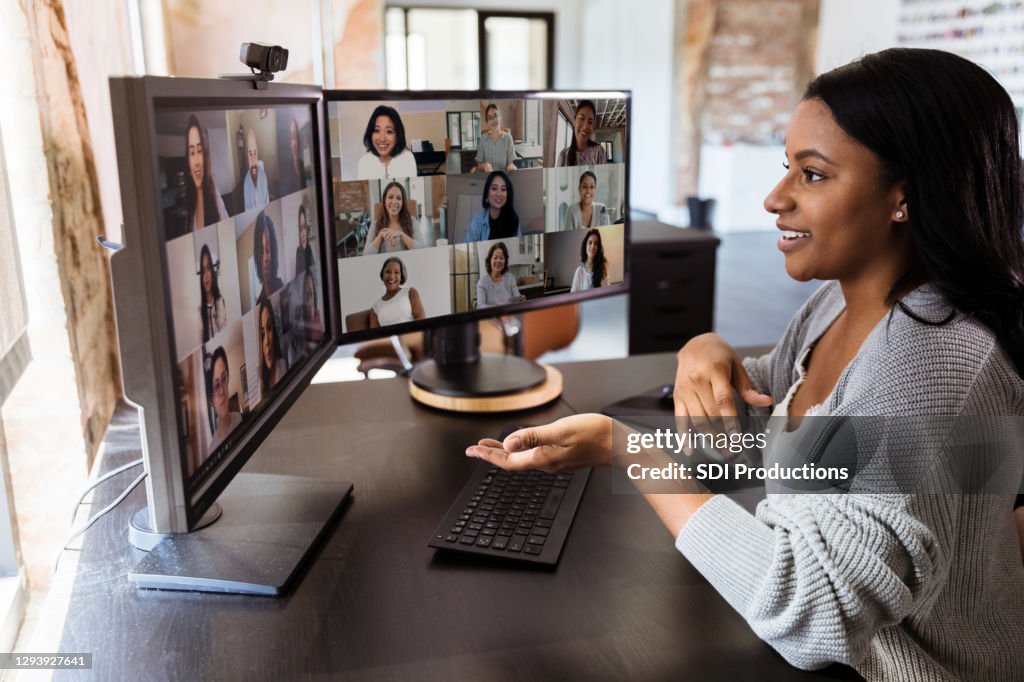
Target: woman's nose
779,200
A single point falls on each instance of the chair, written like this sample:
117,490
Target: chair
540,331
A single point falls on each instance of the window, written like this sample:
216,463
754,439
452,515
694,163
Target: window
463,49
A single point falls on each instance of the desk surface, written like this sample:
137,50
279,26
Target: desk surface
377,603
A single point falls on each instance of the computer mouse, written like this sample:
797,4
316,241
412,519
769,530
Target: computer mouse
665,398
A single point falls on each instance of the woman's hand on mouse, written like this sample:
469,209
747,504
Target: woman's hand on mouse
707,371
583,440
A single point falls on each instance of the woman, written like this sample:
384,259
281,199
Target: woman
498,286
593,269
921,318
387,155
498,220
586,213
397,305
312,322
212,311
583,151
272,364
224,419
496,151
303,252
395,230
264,251
203,203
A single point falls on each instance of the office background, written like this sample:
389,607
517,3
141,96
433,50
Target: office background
713,83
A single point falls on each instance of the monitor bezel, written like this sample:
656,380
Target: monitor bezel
176,502
334,95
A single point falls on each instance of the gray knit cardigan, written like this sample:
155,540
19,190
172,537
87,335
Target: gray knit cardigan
900,587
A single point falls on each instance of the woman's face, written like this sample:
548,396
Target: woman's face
393,202
583,125
206,273
220,388
266,259
392,276
493,119
587,190
593,241
195,156
267,337
836,214
497,193
384,136
294,142
303,230
497,262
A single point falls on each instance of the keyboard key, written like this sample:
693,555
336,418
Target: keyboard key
536,540
488,531
452,538
506,532
542,532
551,504
466,540
456,530
516,543
475,526
543,523
483,541
532,549
499,542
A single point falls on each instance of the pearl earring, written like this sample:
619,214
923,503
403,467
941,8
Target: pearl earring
899,215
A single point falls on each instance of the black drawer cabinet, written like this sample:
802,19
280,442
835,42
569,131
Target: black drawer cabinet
672,287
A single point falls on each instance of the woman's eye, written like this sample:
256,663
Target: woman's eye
812,176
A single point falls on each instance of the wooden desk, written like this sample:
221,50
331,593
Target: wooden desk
378,604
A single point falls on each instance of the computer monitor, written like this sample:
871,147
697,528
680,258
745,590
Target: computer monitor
224,311
450,207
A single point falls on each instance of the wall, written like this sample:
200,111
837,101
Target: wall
847,30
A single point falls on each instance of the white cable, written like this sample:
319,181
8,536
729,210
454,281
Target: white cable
97,517
104,477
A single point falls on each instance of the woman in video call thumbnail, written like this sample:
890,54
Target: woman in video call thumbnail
303,252
498,286
213,311
583,151
395,229
586,212
224,419
398,304
204,204
272,364
496,150
498,220
919,320
593,269
387,151
264,249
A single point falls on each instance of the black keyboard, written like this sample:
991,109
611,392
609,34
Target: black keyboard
523,515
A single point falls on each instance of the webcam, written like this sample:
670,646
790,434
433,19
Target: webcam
262,57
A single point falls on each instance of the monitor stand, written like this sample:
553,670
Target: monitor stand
460,378
268,527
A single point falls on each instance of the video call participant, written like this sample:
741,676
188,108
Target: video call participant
310,322
583,151
593,269
387,153
586,212
255,189
498,220
204,204
920,247
294,177
224,419
496,150
264,251
397,305
272,365
303,252
498,286
213,312
395,230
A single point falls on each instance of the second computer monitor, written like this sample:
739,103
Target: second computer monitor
455,206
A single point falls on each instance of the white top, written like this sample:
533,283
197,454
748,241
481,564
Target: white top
584,281
395,310
401,166
782,409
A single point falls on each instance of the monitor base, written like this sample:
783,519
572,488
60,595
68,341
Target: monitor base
269,528
512,384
